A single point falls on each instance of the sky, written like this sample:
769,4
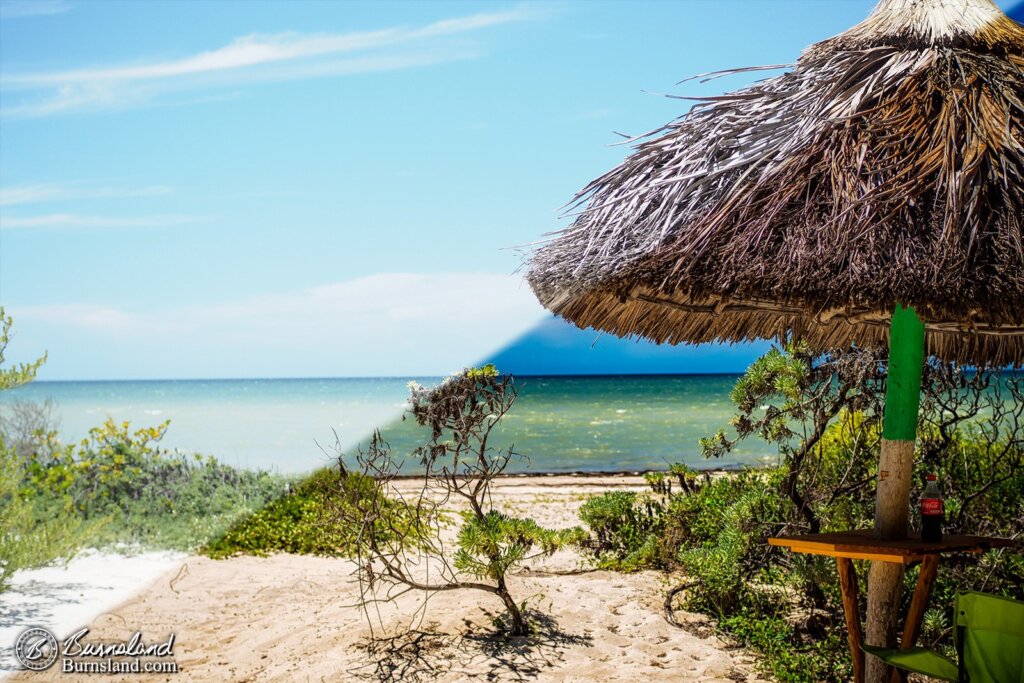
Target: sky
270,189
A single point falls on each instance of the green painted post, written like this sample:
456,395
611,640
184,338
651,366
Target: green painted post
903,385
899,423
895,469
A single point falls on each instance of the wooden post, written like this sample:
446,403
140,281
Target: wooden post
892,508
851,608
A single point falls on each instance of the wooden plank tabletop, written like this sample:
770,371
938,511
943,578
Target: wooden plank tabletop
862,545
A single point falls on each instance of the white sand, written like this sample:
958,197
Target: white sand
63,599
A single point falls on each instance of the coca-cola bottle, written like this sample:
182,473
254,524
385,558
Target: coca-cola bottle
932,512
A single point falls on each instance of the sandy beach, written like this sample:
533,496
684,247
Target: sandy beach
294,618
64,597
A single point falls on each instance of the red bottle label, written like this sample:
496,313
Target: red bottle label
931,506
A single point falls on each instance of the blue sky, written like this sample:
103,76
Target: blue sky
242,189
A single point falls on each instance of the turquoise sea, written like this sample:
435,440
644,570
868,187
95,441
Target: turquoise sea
561,423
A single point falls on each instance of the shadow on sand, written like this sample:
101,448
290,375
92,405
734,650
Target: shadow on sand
426,655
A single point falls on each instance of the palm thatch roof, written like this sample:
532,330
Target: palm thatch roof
885,167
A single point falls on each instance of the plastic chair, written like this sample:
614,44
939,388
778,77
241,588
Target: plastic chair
989,639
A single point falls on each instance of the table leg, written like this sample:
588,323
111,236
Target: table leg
851,608
918,605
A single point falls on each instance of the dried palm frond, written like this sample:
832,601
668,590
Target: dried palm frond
886,167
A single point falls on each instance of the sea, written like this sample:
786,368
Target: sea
293,426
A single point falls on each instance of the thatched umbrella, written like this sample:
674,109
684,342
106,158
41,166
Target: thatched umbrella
870,196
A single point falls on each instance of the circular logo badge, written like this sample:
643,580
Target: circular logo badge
36,649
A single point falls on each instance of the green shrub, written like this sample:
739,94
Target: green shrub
398,538
660,482
625,530
823,415
139,494
27,539
490,545
788,657
721,558
297,522
685,477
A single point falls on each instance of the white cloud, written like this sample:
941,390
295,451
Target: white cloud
72,220
58,192
385,324
247,59
15,9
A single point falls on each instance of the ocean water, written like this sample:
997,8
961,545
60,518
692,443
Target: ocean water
560,423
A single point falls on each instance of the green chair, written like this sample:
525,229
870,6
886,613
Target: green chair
989,639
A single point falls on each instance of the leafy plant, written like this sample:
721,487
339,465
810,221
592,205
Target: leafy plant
28,541
399,536
625,529
140,494
296,522
686,477
660,482
823,415
722,558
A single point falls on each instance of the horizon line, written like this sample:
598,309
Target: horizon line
533,375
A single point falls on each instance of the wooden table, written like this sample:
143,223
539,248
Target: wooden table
847,546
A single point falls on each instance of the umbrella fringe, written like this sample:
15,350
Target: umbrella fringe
885,168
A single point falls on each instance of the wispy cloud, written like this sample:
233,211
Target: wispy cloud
73,220
15,9
249,59
61,192
388,323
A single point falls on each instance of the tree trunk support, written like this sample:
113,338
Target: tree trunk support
892,509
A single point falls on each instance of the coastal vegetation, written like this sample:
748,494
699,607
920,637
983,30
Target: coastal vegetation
823,415
138,495
132,495
707,532
116,488
295,522
27,540
401,540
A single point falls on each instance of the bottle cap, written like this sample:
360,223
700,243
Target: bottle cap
930,477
